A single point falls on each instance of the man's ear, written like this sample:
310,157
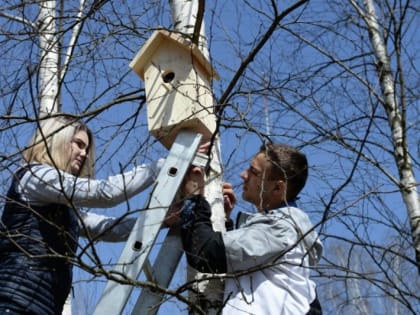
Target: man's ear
280,188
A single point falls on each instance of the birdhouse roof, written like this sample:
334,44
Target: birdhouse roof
152,45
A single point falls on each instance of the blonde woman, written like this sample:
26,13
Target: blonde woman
41,223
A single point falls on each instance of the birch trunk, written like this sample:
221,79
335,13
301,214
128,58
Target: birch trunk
48,59
49,72
407,182
188,19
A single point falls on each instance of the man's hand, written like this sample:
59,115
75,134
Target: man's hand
193,183
173,214
204,148
229,199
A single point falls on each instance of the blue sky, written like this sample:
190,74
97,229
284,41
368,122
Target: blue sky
311,102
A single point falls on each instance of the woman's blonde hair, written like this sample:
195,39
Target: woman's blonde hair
51,141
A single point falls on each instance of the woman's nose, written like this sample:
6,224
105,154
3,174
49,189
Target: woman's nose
83,153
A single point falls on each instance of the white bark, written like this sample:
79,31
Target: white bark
76,32
49,72
48,58
407,180
184,16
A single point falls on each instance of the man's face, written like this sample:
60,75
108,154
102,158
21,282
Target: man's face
257,188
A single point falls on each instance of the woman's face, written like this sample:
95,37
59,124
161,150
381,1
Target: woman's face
78,151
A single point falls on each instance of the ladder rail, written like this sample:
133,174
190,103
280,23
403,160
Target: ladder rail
162,273
148,224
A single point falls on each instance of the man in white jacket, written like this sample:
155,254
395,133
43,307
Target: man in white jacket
268,258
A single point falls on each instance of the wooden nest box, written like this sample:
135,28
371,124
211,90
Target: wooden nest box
177,79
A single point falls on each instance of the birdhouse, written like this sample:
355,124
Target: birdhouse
177,79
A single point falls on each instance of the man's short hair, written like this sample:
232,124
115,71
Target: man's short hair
288,164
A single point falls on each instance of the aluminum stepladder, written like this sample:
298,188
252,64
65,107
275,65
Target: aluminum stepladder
134,257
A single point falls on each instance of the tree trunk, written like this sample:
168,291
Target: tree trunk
390,101
48,59
49,72
187,17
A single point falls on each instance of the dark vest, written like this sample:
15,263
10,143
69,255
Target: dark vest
33,276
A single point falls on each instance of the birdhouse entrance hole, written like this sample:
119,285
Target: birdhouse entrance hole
168,76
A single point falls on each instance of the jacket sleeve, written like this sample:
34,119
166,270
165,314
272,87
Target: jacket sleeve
44,184
104,228
263,240
203,247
